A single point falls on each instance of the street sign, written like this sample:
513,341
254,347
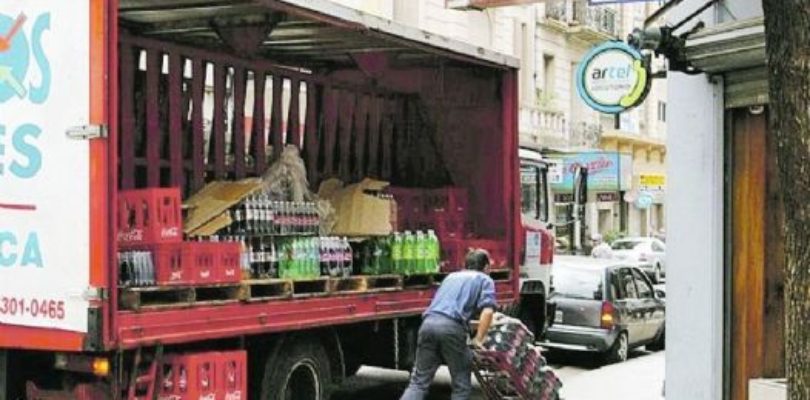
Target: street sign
644,200
613,77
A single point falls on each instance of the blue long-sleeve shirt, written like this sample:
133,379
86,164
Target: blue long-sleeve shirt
461,294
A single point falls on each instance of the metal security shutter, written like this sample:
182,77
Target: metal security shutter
737,52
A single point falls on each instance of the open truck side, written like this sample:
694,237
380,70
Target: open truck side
135,94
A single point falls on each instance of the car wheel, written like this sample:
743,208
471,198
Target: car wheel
620,349
659,343
658,276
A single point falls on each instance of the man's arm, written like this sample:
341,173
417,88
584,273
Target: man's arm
484,323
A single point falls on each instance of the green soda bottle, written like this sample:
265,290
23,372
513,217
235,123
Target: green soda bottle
396,254
385,257
409,254
434,251
421,253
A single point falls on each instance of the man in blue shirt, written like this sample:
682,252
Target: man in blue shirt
444,331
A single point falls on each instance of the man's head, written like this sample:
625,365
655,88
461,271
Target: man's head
477,260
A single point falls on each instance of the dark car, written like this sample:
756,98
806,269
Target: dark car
604,306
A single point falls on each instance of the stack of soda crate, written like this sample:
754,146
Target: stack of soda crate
151,247
212,375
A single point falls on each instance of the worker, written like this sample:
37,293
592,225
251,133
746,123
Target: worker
444,333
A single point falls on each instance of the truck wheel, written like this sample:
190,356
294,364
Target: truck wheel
299,372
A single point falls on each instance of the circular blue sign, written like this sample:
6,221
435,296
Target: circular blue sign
613,77
14,58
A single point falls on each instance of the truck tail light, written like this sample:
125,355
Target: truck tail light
607,319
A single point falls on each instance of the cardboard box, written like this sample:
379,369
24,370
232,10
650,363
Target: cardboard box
360,211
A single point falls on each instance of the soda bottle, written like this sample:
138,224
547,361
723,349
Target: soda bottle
435,251
314,258
421,253
347,258
385,258
408,253
396,254
249,215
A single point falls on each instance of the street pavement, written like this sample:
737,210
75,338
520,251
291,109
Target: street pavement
639,378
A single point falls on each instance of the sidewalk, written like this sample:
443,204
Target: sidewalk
636,379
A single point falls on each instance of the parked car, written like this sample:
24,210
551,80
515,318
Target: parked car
650,253
604,306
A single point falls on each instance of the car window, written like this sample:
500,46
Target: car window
645,291
625,245
578,283
628,284
616,289
656,246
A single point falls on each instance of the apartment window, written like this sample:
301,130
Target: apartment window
548,74
662,111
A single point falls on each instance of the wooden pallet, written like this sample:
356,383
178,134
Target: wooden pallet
315,287
165,297
267,289
365,284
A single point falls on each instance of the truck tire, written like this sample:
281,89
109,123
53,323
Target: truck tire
299,372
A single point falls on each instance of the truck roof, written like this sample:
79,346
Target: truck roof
307,33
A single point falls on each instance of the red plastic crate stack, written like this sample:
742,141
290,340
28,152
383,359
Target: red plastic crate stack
151,220
213,375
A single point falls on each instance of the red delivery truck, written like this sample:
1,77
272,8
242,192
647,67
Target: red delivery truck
105,101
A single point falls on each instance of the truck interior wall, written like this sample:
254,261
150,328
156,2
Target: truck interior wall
189,116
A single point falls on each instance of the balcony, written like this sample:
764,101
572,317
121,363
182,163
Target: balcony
549,128
575,17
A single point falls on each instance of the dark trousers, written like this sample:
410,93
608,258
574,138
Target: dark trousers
441,340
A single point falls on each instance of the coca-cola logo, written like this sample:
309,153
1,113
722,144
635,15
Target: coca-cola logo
170,232
170,397
235,395
594,166
230,272
205,274
209,396
133,235
176,275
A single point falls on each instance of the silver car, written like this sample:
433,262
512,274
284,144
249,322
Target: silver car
648,253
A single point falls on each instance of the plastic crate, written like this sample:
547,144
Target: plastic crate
450,199
449,225
212,375
214,262
171,267
149,216
453,255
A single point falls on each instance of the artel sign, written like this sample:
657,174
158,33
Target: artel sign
613,77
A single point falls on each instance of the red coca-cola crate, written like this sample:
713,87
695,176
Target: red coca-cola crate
189,377
234,375
212,375
214,262
149,216
449,225
453,254
172,266
451,199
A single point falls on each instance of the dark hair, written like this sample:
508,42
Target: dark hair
477,259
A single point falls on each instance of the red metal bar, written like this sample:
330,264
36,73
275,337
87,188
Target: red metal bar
276,134
331,99
211,322
217,147
198,136
238,142
360,128
346,120
311,136
127,150
374,132
259,136
294,118
176,64
154,135
393,120
509,95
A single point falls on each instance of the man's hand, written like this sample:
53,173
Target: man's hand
484,323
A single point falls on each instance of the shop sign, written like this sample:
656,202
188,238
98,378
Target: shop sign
607,197
564,198
652,180
607,171
613,77
644,200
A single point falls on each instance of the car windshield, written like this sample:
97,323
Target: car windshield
578,283
625,245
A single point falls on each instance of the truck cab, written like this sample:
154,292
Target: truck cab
538,241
